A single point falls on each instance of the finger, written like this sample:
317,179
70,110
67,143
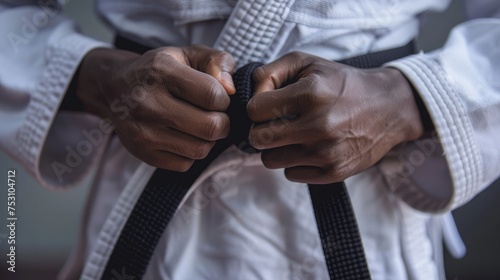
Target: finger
276,133
273,75
184,117
218,64
197,88
288,156
282,103
221,67
170,161
168,111
184,145
306,174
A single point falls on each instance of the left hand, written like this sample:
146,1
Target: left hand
344,119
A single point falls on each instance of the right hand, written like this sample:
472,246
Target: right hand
167,105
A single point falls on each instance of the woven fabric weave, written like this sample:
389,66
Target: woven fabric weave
165,190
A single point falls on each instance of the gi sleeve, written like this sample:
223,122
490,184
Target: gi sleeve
460,87
40,50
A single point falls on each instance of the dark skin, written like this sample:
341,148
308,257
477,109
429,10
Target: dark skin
345,119
329,122
176,99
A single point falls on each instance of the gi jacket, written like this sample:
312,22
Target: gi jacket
242,221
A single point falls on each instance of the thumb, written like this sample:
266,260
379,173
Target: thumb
218,64
277,73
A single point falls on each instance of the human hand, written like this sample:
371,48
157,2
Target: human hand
167,105
344,119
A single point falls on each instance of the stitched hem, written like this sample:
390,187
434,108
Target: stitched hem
453,128
110,232
63,61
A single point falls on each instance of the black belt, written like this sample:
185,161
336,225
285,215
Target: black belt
165,190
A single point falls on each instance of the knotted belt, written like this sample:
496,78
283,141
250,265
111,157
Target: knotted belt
340,238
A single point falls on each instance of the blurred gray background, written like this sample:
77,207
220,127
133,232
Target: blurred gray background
48,221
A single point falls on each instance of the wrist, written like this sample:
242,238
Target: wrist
71,102
408,113
95,78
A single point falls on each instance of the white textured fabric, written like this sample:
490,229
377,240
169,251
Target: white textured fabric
463,97
243,221
251,29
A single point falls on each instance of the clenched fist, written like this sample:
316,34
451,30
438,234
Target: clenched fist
323,121
167,105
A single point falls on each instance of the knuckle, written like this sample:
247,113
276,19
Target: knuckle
261,138
224,56
160,58
313,87
328,125
297,55
252,137
179,148
311,93
159,68
214,98
216,126
252,109
202,151
314,79
211,95
263,75
260,74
